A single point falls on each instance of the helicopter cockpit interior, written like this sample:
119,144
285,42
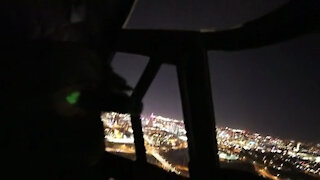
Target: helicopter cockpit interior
56,79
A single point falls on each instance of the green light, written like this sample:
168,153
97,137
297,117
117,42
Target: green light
73,97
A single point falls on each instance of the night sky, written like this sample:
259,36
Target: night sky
274,90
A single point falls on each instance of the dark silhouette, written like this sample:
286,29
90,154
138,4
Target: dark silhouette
52,51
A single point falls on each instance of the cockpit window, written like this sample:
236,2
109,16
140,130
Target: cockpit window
266,107
119,138
163,126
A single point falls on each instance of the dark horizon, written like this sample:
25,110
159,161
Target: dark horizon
274,90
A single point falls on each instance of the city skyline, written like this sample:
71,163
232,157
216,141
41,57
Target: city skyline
245,129
166,146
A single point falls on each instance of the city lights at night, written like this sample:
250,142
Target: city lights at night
166,146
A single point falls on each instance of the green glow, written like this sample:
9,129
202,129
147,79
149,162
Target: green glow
73,97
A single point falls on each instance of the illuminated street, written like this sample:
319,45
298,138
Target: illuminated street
264,172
